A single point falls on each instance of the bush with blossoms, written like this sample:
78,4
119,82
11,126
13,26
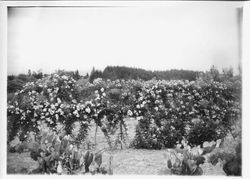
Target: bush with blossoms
52,100
170,110
58,100
167,110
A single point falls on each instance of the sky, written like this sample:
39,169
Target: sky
193,37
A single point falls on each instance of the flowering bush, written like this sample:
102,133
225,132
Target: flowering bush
58,99
52,100
169,110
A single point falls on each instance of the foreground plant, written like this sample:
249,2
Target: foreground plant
185,161
59,155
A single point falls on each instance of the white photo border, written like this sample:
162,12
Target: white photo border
3,73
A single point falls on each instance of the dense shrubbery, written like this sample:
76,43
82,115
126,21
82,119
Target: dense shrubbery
166,110
51,99
169,110
58,99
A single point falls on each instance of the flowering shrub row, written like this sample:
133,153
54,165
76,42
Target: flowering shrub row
167,110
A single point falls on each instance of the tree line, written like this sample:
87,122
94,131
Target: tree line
122,72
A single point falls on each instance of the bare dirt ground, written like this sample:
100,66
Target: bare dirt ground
125,161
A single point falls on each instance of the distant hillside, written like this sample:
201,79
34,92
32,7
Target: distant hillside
122,72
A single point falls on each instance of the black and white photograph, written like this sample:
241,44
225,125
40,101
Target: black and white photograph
124,88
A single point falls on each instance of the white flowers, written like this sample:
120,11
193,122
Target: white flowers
58,100
64,77
169,95
88,110
102,89
140,99
52,106
76,113
130,113
139,118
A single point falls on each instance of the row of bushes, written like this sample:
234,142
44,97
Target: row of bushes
167,110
